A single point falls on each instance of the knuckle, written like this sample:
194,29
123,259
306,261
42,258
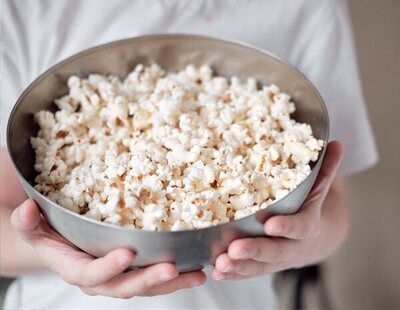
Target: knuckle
140,289
88,282
258,248
239,266
127,295
311,230
280,252
71,280
261,268
123,294
305,230
88,291
150,293
266,268
232,277
143,286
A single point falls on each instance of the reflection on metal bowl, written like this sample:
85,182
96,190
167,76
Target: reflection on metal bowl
189,249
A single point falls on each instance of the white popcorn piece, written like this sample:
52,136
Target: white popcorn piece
153,215
242,201
170,150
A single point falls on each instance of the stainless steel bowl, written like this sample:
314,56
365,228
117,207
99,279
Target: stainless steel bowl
188,249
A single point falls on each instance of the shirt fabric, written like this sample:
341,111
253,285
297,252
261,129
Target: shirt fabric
313,35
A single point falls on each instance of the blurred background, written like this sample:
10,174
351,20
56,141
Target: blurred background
365,273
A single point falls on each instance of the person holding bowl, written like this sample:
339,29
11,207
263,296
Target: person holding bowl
313,35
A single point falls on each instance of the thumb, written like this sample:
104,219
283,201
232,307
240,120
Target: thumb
331,163
26,217
327,173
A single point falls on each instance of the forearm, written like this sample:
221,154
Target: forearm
334,224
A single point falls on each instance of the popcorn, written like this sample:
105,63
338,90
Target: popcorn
170,150
153,216
243,201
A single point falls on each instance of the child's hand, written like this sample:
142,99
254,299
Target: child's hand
101,276
294,236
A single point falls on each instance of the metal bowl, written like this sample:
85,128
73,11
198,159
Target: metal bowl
189,249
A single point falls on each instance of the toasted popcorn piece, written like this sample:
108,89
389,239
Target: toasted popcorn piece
170,150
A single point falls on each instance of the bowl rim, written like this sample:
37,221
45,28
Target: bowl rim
152,37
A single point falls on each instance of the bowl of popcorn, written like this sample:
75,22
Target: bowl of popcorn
169,145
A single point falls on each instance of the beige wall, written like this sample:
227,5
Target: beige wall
365,274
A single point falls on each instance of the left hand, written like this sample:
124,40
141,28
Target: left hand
291,238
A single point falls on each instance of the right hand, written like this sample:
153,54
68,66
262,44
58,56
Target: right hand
97,276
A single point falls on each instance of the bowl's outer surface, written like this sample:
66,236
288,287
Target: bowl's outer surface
188,249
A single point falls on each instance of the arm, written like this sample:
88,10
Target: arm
307,237
29,243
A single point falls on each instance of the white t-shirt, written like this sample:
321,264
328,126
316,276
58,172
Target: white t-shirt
313,35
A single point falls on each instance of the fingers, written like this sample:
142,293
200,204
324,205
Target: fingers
26,217
333,157
154,280
226,266
329,168
83,270
258,256
74,266
303,225
185,280
101,276
268,250
217,275
136,282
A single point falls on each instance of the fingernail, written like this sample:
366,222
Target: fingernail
22,213
164,277
193,284
219,277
